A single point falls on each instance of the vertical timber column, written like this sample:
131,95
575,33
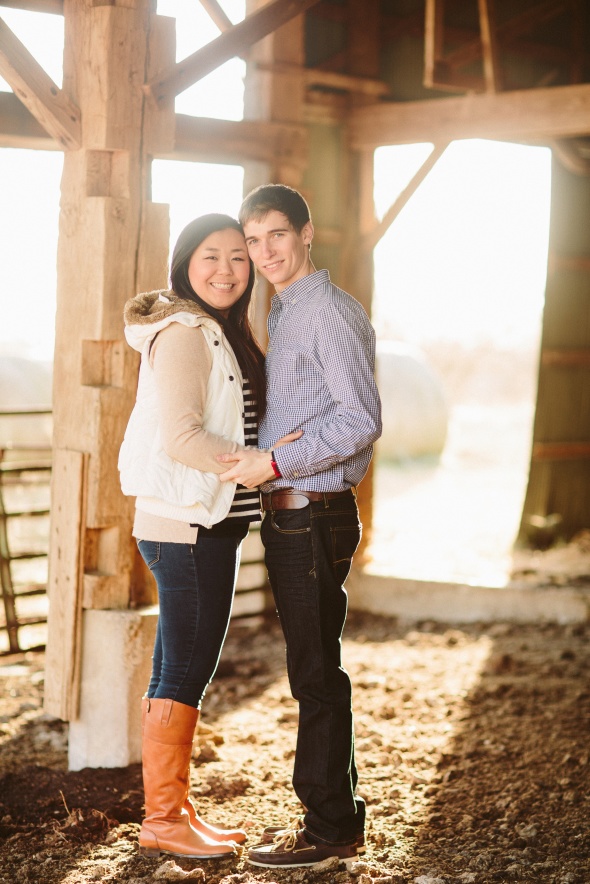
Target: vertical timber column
557,501
112,242
364,27
275,95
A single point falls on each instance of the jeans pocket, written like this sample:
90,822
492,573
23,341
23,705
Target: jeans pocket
291,521
150,552
345,540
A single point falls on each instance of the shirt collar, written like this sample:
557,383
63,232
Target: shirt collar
301,289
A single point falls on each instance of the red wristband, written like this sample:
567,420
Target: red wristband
274,465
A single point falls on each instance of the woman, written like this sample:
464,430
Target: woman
201,387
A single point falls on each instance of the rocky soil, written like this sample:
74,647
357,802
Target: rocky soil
473,746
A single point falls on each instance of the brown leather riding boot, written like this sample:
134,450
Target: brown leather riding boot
238,836
168,729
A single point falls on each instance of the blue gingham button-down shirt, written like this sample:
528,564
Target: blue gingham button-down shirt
320,367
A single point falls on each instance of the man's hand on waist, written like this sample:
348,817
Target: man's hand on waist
251,466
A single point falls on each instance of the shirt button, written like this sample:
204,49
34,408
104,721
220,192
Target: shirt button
231,377
216,343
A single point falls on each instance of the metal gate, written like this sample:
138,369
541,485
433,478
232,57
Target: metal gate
25,473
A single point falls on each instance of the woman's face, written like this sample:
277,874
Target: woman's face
219,269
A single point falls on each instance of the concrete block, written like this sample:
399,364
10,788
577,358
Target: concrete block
456,603
116,666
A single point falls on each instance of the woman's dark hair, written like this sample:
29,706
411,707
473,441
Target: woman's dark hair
236,327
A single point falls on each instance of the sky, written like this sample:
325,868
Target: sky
465,261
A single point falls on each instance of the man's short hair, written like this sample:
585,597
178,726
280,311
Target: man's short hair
275,198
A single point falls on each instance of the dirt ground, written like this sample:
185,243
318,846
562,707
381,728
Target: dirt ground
473,746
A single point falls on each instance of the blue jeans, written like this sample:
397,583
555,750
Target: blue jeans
196,585
308,557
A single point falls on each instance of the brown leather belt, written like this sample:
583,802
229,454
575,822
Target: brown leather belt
294,499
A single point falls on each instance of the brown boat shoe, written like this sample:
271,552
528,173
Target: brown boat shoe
270,833
293,848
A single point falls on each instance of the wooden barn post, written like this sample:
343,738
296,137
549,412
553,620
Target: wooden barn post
113,242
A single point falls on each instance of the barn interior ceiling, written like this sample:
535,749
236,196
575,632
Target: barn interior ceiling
361,56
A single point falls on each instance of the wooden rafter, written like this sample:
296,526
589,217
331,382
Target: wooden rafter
197,139
315,77
18,128
216,14
507,32
433,40
438,74
525,114
233,42
371,239
489,43
233,141
56,7
442,70
49,104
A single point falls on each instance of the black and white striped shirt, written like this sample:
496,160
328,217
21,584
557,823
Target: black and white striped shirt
246,502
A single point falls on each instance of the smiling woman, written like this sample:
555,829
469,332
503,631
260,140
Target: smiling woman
31,178
219,269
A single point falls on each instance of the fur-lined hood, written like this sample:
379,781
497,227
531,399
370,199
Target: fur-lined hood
148,313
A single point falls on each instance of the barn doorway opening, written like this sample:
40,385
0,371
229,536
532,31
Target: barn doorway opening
459,292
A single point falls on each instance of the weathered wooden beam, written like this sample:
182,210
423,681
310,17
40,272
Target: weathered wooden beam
216,14
19,128
233,42
379,230
489,42
49,104
330,79
197,139
234,141
524,114
56,7
64,588
433,39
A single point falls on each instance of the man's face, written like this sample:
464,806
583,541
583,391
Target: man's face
279,253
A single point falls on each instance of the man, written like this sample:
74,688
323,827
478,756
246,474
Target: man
320,379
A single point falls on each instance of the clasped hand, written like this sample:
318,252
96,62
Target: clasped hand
251,466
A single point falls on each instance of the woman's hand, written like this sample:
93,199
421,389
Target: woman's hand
250,466
290,437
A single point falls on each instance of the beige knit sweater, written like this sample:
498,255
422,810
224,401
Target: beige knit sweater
182,362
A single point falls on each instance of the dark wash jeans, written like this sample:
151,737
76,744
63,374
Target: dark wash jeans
308,554
195,592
